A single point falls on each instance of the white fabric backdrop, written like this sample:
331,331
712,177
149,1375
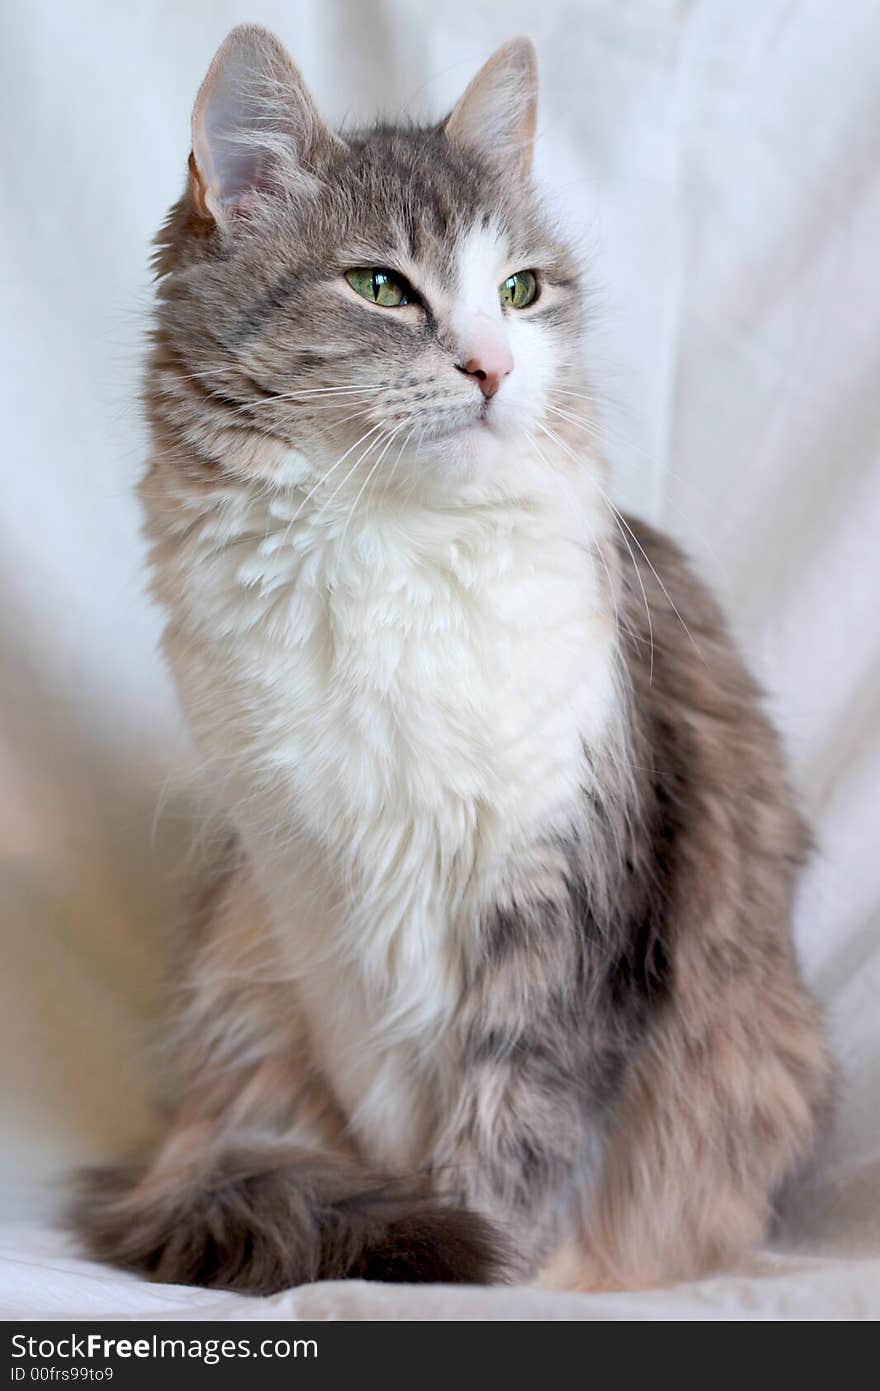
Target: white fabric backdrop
720,165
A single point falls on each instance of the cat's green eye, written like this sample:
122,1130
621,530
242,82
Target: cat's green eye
381,287
518,290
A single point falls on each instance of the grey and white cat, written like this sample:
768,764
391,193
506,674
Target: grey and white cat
495,979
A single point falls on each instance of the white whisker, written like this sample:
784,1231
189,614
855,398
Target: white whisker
400,451
360,491
372,445
596,546
656,576
619,517
324,477
614,515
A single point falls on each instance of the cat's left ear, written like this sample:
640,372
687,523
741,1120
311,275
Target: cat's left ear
496,117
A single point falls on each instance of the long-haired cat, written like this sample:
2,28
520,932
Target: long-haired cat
496,976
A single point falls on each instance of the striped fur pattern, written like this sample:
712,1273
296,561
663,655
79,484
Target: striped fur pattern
495,979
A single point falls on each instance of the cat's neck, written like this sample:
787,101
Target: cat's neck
222,484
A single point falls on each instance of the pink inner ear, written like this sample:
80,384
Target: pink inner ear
235,166
225,115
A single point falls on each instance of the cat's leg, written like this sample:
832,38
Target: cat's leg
523,1127
512,1151
254,1187
721,1105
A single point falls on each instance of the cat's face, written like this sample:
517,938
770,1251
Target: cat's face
390,305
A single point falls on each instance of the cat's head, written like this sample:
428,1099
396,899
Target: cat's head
389,303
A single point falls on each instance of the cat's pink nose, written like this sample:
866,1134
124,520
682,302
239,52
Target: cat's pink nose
490,368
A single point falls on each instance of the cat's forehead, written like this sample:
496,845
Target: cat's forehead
411,198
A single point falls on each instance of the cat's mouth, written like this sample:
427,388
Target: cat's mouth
473,422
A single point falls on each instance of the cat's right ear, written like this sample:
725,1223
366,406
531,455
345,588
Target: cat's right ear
496,116
253,117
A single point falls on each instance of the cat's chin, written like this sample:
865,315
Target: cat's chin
471,444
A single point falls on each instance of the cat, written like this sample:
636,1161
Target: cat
495,977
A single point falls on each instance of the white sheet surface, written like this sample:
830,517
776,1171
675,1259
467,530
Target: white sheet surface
720,164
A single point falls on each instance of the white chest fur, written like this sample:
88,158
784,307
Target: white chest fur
394,703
